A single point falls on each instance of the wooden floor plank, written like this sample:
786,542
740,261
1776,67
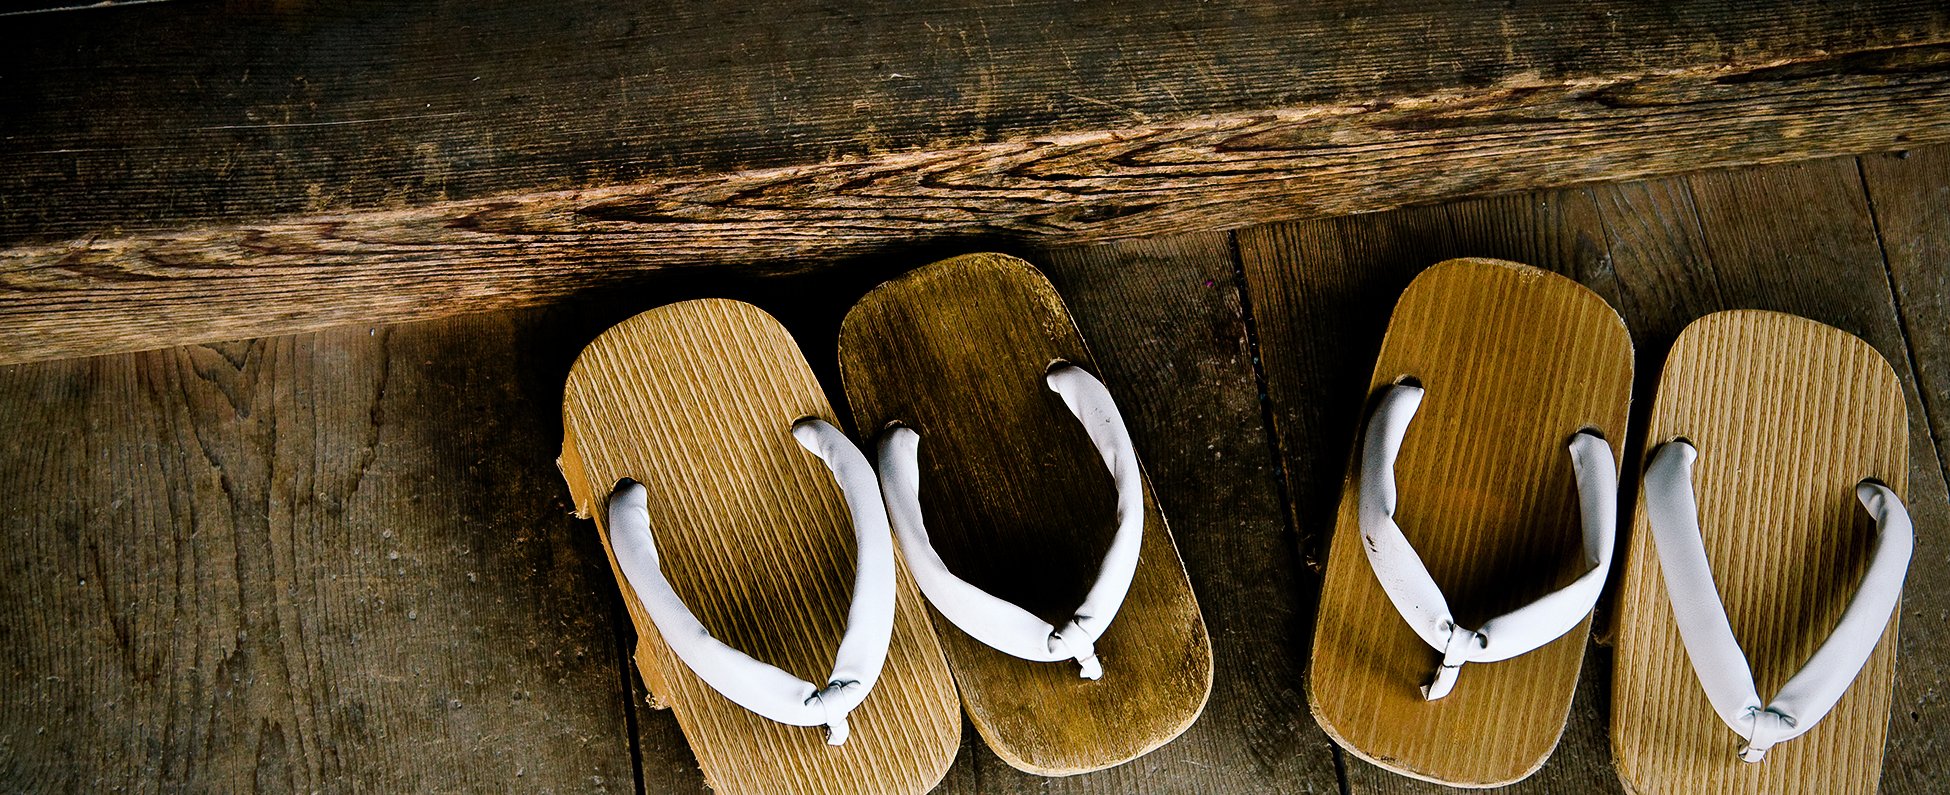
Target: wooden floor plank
1321,294
1909,193
298,563
1797,239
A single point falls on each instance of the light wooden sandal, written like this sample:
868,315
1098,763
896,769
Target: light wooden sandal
994,451
1752,570
710,409
1470,546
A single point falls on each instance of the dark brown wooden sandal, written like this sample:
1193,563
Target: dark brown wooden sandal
1016,498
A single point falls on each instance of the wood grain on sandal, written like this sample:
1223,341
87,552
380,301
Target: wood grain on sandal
1788,416
1514,360
1019,503
696,400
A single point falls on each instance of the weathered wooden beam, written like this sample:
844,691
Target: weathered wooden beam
150,260
173,115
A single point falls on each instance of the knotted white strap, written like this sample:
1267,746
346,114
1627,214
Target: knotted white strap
751,684
1414,593
1717,659
1004,626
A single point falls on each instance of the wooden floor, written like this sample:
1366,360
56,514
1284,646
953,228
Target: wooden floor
344,560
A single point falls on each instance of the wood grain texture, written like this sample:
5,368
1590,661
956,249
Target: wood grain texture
1515,360
1788,416
696,401
1908,193
1322,292
1798,239
1019,504
171,114
301,564
298,210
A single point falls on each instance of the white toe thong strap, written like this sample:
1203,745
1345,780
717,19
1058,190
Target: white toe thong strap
756,686
1415,594
1004,626
1716,656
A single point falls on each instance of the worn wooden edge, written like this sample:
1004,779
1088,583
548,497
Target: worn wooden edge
1614,438
582,498
122,292
254,110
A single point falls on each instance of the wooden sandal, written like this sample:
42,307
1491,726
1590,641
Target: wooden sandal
690,420
1493,527
1751,569
993,455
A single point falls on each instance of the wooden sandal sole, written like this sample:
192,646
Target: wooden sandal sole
1016,499
696,400
1515,360
1788,415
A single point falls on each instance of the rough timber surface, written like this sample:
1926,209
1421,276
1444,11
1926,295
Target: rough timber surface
179,172
294,564
1167,326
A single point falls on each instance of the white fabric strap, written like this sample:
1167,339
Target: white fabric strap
1716,656
1004,626
754,685
1415,594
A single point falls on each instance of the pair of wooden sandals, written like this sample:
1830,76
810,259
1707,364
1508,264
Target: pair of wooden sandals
755,542
1475,534
1476,531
